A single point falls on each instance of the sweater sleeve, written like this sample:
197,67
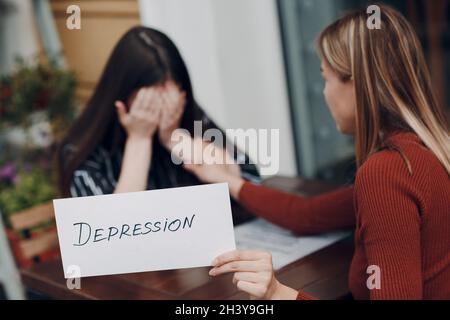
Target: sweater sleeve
304,296
302,215
389,227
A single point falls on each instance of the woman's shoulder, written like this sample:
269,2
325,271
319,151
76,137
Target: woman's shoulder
98,160
380,166
96,175
404,160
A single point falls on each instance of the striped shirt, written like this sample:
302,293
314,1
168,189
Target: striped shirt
99,174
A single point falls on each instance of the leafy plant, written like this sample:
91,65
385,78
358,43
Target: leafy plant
26,174
33,187
38,87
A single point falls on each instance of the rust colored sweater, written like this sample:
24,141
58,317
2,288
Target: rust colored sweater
402,221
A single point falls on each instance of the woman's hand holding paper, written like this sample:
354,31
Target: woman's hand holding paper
253,273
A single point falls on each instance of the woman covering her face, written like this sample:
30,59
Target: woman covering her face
122,140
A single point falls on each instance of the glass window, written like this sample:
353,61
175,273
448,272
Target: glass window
321,150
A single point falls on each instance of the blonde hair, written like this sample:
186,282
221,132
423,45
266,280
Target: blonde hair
391,78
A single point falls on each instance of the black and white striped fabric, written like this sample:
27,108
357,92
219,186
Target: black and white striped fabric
99,174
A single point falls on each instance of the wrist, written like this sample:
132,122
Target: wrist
281,292
235,185
166,142
169,142
139,139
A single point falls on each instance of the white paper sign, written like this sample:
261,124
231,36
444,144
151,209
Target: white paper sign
145,231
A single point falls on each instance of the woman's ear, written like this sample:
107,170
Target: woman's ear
121,110
131,99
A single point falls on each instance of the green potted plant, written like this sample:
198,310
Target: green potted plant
37,105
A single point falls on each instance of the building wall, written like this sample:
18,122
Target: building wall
103,22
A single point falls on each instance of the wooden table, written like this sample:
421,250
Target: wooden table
323,274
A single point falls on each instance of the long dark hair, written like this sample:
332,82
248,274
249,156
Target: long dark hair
392,81
142,57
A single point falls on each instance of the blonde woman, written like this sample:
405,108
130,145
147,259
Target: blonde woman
378,89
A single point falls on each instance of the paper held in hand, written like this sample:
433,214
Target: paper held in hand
144,231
